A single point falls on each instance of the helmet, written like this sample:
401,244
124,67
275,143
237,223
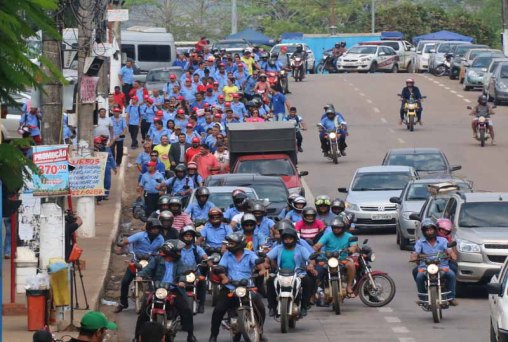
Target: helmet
284,224
239,198
322,201
164,199
299,47
256,102
330,110
192,166
429,228
299,203
202,191
289,232
445,224
215,215
339,206
343,43
166,217
175,201
258,210
309,211
482,99
235,242
275,55
180,168
337,45
410,80
153,223
291,198
185,230
172,248
246,219
338,222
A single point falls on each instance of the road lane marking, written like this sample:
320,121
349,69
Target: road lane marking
461,96
453,92
406,339
447,88
369,101
376,110
401,141
383,120
362,94
436,82
385,309
441,85
356,89
351,84
391,130
400,330
390,319
466,100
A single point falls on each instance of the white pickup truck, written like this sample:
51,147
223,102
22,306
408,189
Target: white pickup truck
403,48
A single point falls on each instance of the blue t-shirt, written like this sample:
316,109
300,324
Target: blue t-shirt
189,257
134,114
119,126
168,275
127,74
150,181
279,103
238,269
141,244
287,259
214,236
333,243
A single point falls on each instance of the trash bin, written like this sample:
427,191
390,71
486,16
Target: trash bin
37,309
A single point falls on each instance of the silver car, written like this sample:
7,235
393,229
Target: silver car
368,196
157,78
221,195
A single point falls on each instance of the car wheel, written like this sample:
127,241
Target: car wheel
312,69
395,69
373,67
465,86
404,243
398,237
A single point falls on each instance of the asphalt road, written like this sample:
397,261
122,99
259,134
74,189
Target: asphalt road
371,107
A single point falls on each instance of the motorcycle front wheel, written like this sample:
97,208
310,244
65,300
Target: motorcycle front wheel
248,329
336,297
215,293
139,294
411,123
320,69
440,71
334,153
284,316
379,296
482,138
434,305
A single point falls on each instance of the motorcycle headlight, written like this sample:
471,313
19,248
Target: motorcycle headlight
333,262
285,281
372,257
332,135
143,263
190,278
466,246
241,291
432,269
352,206
161,293
411,106
481,119
282,72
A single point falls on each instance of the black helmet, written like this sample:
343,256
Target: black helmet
429,228
239,197
337,45
153,223
289,232
339,205
180,168
202,191
172,248
299,47
235,242
173,202
215,215
166,218
343,44
258,209
275,55
330,110
284,224
164,199
248,220
187,230
482,99
256,102
338,222
309,211
299,203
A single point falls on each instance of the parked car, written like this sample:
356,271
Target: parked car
157,78
437,54
490,70
413,198
291,47
368,196
232,45
422,56
498,303
426,161
497,88
459,53
221,195
364,58
266,187
468,59
403,48
474,75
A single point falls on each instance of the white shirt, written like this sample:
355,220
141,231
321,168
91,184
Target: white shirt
103,125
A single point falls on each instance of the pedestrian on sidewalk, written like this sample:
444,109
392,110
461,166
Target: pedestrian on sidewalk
119,131
150,186
93,327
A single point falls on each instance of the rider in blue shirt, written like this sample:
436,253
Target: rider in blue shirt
198,210
333,122
295,214
215,231
180,184
263,224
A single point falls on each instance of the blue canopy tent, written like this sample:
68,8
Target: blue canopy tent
443,35
253,36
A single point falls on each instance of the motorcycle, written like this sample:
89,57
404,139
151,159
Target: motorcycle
411,107
213,281
297,65
333,140
163,311
288,286
444,68
437,296
482,128
138,287
327,64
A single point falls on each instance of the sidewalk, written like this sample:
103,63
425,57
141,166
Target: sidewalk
97,252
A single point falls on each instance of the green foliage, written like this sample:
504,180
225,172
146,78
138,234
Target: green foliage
14,167
20,20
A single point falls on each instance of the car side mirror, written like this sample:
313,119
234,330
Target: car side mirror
415,217
494,289
353,239
343,190
395,200
452,244
303,173
456,167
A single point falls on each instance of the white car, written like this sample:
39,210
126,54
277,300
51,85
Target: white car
498,302
291,47
11,115
369,58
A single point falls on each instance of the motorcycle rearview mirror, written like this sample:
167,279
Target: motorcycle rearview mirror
303,173
365,241
342,190
456,167
395,200
353,239
495,289
452,244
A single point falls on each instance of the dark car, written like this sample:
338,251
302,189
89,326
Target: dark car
426,161
266,187
459,51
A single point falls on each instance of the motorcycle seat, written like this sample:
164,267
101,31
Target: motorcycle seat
286,273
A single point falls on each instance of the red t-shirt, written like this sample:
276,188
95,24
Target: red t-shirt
119,99
204,162
308,231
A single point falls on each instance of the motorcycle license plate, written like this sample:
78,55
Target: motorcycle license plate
381,217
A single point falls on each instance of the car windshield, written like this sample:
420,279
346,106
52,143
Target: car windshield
481,62
436,207
362,50
223,199
483,215
475,53
274,192
290,48
443,48
428,47
417,192
419,161
231,45
162,75
266,167
503,73
380,181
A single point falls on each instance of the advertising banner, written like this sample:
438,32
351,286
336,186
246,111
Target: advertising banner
52,162
87,177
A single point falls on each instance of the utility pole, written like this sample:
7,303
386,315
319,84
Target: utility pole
234,17
103,85
85,205
505,26
373,16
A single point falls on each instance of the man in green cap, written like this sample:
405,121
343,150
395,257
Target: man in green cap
93,327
